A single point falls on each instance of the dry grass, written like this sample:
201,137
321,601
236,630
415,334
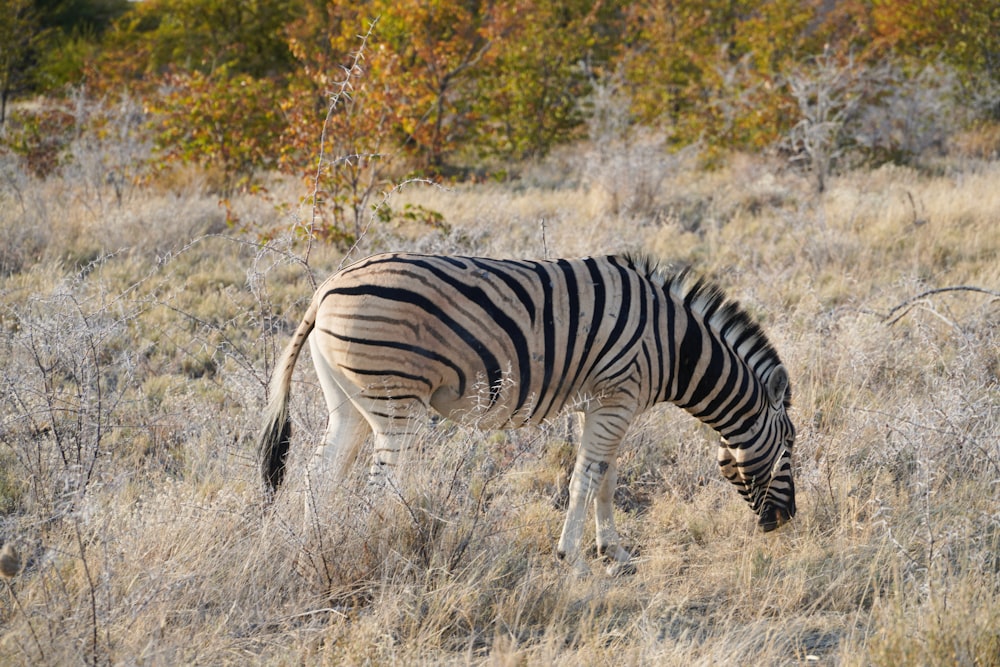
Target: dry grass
135,349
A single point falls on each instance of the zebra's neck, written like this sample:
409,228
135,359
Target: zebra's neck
716,357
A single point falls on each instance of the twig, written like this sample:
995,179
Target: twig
91,589
314,612
953,432
27,619
344,88
906,305
375,209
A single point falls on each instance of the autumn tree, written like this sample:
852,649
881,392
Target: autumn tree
206,35
42,42
230,125
213,74
383,88
965,33
433,53
673,46
712,69
254,85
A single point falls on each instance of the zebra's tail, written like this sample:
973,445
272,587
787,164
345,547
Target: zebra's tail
275,436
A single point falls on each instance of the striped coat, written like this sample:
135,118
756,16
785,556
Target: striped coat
504,343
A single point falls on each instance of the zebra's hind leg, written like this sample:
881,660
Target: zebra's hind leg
398,424
345,432
619,560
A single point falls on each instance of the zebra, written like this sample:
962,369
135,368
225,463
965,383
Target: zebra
504,343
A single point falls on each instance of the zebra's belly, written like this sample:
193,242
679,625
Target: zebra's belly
492,410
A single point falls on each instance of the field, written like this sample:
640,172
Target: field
138,330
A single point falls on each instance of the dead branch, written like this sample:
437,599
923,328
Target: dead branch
891,317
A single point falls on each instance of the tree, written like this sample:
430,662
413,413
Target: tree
213,75
829,93
41,42
548,53
80,17
339,118
20,32
228,124
965,33
157,36
421,62
711,69
432,52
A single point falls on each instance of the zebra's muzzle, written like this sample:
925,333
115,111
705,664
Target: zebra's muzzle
773,517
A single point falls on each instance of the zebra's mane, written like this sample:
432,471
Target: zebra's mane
725,315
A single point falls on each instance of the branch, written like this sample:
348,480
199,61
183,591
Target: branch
344,89
905,306
375,210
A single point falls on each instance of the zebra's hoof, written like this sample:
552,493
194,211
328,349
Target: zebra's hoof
10,561
581,570
620,561
578,565
626,569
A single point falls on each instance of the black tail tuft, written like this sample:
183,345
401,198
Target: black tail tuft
275,445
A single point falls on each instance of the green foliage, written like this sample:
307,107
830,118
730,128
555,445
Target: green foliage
965,33
548,54
42,41
339,120
80,17
711,70
20,33
431,52
200,36
40,137
225,123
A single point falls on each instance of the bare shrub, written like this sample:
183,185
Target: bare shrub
21,242
852,113
627,162
69,372
910,114
100,370
110,155
829,96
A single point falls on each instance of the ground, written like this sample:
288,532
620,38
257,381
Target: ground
138,337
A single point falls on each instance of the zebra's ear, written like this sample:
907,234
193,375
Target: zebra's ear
777,384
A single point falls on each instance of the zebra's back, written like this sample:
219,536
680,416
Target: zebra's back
505,342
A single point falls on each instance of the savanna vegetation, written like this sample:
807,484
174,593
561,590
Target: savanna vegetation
176,176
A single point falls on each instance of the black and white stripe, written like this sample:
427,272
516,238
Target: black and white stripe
503,343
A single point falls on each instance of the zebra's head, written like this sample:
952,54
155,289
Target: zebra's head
758,459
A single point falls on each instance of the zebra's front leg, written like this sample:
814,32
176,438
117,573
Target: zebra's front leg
581,487
608,543
602,432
